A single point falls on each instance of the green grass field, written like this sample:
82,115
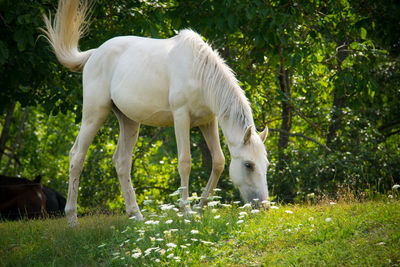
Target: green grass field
326,234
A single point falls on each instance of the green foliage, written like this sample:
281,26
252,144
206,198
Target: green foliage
331,50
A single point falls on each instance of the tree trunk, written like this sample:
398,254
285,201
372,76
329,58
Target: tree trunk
286,118
338,104
285,189
6,128
339,101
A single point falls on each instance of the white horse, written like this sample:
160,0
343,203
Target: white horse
179,81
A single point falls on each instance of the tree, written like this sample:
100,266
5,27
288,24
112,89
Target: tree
324,76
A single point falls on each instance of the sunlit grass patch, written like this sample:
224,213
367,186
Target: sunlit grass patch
222,234
168,236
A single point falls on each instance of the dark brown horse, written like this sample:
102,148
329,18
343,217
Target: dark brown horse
23,199
55,202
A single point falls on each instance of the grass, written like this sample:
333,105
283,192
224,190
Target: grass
341,234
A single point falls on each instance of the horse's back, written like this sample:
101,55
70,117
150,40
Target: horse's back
147,79
21,198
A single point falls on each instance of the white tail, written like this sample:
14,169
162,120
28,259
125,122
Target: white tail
68,26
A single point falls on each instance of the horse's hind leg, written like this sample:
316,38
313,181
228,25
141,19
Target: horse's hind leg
122,159
93,115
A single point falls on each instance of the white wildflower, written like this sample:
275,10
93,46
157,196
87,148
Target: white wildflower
247,205
176,193
243,213
147,202
310,195
396,186
213,203
102,245
274,207
240,221
255,211
169,221
194,232
226,205
328,219
126,241
171,245
332,203
166,206
187,221
289,211
170,256
217,216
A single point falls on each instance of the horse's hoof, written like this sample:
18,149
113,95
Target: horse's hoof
73,221
138,216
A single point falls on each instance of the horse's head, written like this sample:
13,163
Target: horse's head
248,168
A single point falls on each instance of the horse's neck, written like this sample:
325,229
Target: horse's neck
233,132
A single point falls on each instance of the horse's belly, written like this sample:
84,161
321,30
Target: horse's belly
159,118
142,108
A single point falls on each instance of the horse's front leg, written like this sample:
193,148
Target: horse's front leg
210,133
182,135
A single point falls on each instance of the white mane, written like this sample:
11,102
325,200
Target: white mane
221,88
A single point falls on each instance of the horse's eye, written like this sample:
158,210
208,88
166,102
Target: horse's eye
249,165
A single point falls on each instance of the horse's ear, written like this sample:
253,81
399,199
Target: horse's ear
264,134
247,135
37,179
